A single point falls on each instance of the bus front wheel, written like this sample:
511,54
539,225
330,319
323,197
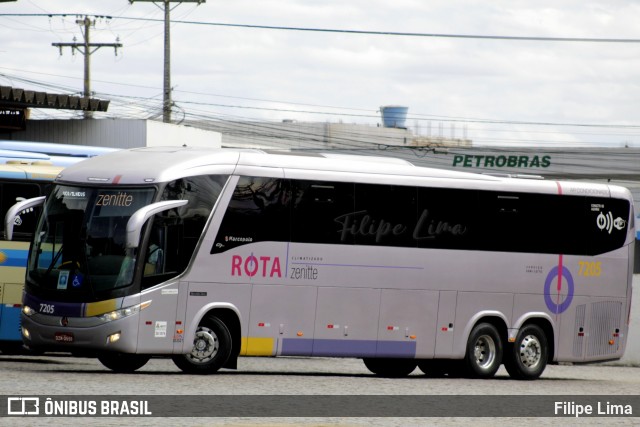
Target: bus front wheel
527,357
211,348
123,362
484,351
394,368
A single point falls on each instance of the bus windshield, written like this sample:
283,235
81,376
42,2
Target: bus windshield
79,245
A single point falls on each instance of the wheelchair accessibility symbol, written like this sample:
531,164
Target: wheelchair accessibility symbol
558,299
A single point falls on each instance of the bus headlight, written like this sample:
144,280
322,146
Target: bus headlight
123,312
28,311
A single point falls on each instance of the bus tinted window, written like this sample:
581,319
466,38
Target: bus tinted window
543,223
446,219
320,210
324,212
175,233
384,215
606,224
258,211
10,194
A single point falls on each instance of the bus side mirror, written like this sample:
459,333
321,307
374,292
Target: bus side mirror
137,220
14,212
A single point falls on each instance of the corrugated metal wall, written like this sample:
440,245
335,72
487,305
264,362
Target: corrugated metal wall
101,133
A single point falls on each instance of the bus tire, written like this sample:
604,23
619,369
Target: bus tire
390,368
211,348
123,362
13,348
484,351
527,357
435,368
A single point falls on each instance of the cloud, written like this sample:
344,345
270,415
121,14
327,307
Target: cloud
501,80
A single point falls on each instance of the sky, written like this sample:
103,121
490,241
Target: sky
492,91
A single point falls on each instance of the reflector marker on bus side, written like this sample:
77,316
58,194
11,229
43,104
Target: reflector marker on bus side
447,328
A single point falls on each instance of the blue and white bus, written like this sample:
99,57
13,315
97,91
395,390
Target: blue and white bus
26,171
57,154
19,180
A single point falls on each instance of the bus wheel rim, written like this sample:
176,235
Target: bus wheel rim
205,346
530,351
484,351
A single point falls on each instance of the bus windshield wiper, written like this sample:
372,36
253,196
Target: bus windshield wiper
53,261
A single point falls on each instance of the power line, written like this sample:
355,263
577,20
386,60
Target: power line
343,113
413,116
349,31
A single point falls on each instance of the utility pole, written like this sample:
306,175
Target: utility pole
166,86
86,48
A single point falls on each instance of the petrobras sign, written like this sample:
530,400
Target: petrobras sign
567,162
521,161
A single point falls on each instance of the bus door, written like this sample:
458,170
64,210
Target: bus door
158,327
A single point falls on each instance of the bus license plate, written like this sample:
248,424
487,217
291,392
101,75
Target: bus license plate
64,337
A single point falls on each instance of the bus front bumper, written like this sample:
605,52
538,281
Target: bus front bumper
54,333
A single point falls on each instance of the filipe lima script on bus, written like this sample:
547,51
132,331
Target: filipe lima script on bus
360,223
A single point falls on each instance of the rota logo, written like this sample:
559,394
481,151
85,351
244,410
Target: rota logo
252,265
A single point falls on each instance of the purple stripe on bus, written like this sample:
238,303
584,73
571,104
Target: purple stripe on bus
297,347
396,349
344,348
347,348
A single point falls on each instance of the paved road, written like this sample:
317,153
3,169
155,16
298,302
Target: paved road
25,375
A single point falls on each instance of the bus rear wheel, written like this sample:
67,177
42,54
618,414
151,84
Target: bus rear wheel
211,348
526,358
123,362
393,368
484,351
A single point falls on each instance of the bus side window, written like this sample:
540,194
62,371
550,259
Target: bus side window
10,194
447,219
175,233
322,211
154,260
259,211
537,223
385,215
